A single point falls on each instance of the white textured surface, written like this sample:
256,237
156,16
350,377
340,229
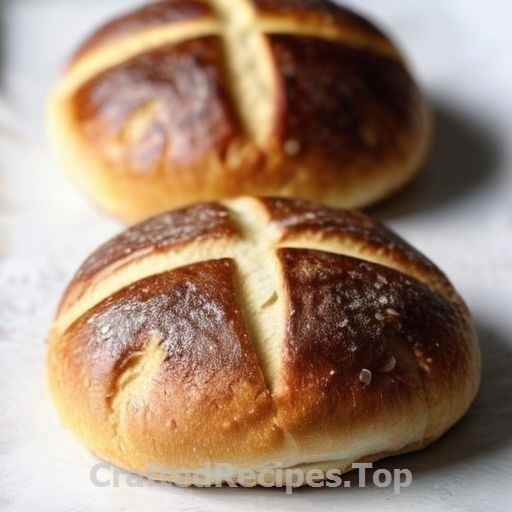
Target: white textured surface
459,213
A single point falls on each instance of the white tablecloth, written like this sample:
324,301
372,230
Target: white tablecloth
459,213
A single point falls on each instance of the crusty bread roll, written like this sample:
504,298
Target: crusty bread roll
261,333
197,100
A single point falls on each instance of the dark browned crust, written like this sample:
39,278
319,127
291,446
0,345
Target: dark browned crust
346,107
298,219
153,15
209,366
206,221
184,87
346,315
361,109
366,353
319,11
162,129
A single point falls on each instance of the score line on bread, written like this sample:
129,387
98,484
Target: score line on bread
261,333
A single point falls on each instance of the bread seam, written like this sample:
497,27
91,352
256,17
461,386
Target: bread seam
98,60
115,53
258,283
249,65
412,407
197,252
140,268
331,33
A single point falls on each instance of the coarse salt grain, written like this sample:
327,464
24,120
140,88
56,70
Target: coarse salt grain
389,366
365,376
292,147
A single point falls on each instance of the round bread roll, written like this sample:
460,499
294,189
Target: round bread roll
198,100
262,334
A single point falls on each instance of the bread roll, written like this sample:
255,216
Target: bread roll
260,333
198,100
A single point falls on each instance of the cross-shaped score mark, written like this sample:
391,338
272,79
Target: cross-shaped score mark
253,76
259,275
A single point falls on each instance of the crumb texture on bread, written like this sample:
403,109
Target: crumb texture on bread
185,101
259,332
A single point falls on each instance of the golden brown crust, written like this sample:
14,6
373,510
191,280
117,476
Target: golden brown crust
319,12
298,220
207,367
385,345
180,93
297,99
206,221
153,15
254,333
345,107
